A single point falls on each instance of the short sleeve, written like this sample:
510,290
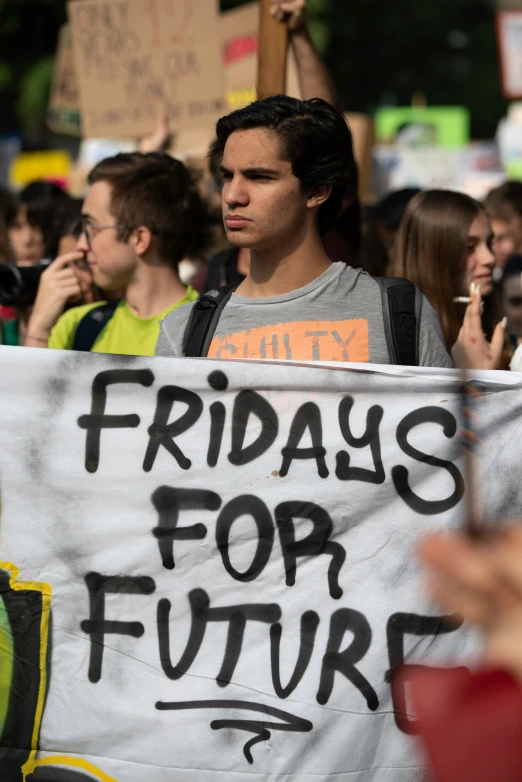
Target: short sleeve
163,346
172,331
432,349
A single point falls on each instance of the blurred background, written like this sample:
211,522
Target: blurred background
379,52
381,55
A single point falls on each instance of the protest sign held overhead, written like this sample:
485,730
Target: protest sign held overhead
208,567
240,37
135,57
63,113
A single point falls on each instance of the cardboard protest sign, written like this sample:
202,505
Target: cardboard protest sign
239,36
208,568
63,113
135,56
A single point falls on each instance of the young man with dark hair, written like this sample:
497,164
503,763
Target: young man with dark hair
141,216
286,166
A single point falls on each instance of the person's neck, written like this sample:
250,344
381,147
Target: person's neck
284,269
154,288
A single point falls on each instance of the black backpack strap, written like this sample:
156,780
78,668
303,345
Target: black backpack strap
203,321
92,324
402,306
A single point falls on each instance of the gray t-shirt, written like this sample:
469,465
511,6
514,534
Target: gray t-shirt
337,317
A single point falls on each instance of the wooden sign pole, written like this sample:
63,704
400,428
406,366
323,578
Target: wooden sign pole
273,47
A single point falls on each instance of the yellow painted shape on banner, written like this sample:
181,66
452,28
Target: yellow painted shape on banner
28,166
64,760
45,589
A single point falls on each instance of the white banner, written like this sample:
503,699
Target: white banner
208,568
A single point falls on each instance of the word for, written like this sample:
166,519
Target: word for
169,501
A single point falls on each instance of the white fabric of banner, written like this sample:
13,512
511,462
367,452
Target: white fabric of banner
231,558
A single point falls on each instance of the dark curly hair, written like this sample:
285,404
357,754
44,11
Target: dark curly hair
159,192
315,139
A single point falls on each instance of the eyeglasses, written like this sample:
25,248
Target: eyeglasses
90,230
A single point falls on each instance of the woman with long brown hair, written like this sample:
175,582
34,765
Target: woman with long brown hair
444,245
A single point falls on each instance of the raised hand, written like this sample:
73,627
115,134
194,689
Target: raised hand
472,350
293,12
59,284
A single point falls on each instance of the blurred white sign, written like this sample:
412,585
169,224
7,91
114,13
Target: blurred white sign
509,37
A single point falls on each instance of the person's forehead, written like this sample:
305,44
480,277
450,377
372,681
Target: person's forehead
98,202
253,148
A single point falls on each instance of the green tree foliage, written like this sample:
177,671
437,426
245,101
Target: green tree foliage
383,52
28,32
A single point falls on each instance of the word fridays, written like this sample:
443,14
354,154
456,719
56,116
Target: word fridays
251,409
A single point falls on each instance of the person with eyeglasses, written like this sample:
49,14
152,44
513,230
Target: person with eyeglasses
142,215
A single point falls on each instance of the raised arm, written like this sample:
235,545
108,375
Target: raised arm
314,78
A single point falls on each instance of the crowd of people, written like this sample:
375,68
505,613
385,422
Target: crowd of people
144,243
144,266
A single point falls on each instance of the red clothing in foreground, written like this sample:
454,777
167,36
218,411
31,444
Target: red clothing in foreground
470,723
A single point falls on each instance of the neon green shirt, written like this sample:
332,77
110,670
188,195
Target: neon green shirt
125,333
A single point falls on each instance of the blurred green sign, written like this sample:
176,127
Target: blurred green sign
444,126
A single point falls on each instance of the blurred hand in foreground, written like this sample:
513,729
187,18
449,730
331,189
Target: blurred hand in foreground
482,581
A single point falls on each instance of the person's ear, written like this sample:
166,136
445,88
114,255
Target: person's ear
318,195
141,240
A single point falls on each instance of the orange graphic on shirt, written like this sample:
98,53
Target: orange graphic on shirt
305,340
